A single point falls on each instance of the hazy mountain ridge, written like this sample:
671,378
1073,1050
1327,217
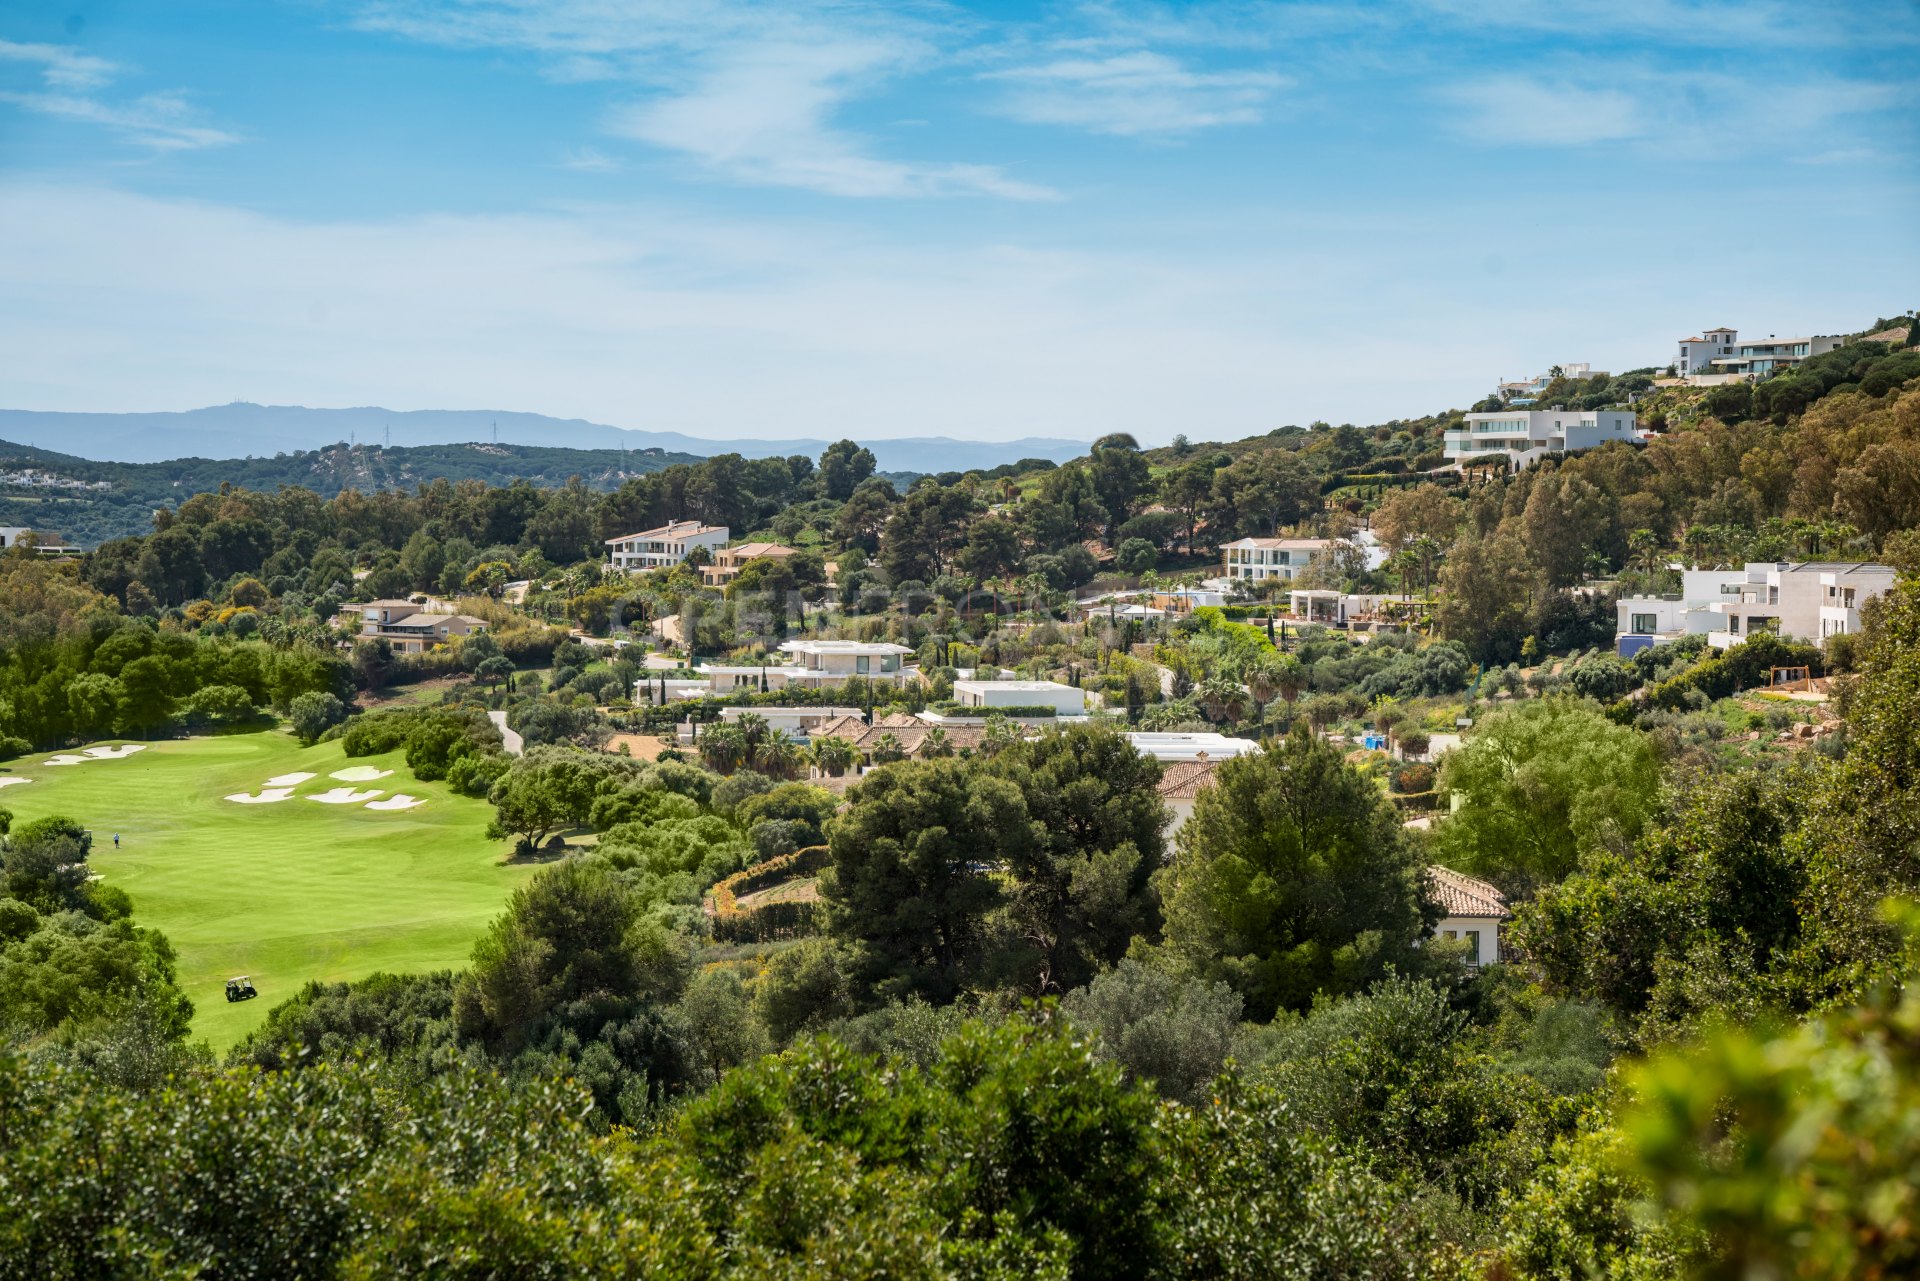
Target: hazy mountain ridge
243,429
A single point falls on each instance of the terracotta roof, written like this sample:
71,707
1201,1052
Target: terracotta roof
1184,780
901,720
911,737
748,551
1464,896
841,727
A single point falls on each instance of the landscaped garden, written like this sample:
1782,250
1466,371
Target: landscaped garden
254,856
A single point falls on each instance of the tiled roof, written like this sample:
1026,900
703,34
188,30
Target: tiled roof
901,720
1464,896
912,736
1184,780
841,727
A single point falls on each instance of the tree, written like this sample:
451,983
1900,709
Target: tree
843,466
492,671
1082,889
1416,511
1538,782
1121,478
220,705
1486,589
833,756
313,714
576,934
1293,877
1162,1028
910,887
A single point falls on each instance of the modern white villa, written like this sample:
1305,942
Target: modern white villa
987,696
1168,747
1718,355
1521,437
664,547
1261,559
810,664
1807,602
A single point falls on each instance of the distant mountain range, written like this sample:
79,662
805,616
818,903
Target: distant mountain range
247,430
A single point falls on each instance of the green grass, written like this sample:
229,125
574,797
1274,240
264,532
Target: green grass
284,892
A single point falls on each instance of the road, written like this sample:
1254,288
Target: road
514,744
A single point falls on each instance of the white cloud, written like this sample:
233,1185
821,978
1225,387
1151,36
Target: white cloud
1529,112
1138,92
763,113
1707,112
161,121
750,92
649,317
62,67
588,160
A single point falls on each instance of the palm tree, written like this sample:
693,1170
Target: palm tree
1643,551
722,748
753,729
778,758
833,756
936,744
1221,697
888,749
1262,675
1290,676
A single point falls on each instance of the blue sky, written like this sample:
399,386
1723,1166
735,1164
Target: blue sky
806,217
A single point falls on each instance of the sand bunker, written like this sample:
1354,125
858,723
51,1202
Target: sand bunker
266,796
344,796
96,754
13,782
398,801
288,780
358,774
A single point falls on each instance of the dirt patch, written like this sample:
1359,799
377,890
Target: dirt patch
642,747
800,890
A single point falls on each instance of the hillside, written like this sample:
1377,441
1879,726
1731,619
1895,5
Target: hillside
89,516
247,430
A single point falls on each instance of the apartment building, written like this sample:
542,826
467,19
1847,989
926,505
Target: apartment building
1806,602
1260,559
1520,437
664,547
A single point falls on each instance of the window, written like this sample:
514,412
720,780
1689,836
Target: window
1646,624
1473,942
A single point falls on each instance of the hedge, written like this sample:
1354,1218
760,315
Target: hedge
1724,673
774,920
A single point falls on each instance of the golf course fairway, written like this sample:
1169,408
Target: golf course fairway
284,891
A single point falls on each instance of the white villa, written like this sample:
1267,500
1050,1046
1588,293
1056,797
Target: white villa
410,627
830,661
1065,700
1260,559
1474,912
1718,355
1809,602
664,547
1169,747
1523,436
